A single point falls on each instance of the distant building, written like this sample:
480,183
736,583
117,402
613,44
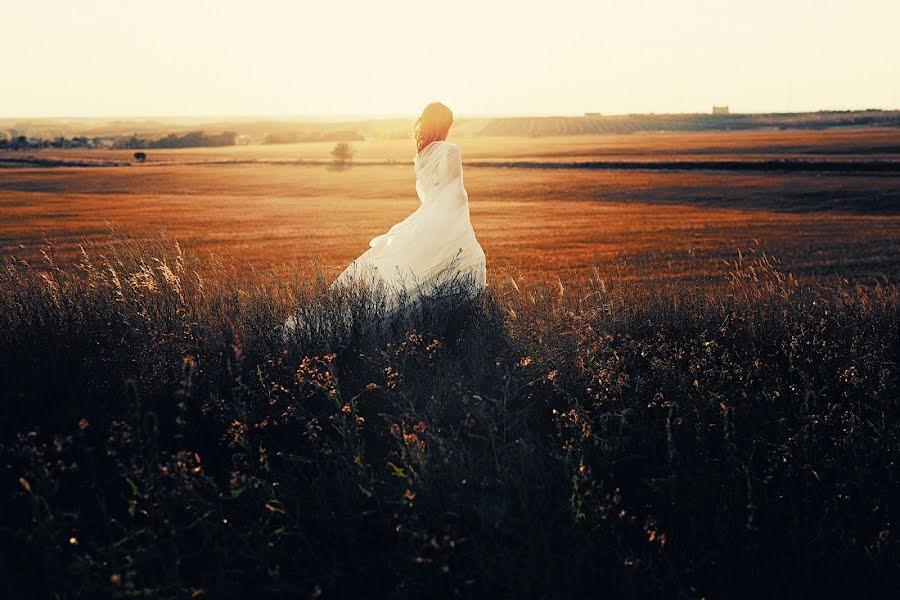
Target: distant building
721,110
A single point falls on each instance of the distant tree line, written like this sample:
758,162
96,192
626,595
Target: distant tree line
193,139
22,142
295,137
620,124
17,143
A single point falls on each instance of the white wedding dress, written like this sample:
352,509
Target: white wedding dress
433,250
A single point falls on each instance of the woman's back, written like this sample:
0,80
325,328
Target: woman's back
438,168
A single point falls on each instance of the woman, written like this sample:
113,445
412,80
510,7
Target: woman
435,247
433,252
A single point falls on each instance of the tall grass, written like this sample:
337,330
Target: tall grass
160,438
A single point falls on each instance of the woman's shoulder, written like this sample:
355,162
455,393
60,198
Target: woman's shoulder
439,148
451,147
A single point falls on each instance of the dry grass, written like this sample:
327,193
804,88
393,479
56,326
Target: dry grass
622,412
158,438
546,222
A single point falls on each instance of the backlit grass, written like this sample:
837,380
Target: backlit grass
584,437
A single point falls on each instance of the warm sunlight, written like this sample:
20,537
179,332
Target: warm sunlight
461,299
105,57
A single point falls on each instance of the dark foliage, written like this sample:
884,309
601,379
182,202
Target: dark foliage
192,139
161,439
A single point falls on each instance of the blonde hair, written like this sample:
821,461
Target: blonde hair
432,125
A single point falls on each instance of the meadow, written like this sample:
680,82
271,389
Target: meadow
160,438
645,402
275,205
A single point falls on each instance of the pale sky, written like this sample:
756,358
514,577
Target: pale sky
481,57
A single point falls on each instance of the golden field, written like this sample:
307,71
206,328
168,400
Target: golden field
672,427
263,205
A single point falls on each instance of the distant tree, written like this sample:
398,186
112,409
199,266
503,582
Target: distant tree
343,152
226,138
140,156
132,143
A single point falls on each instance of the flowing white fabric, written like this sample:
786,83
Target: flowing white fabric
433,246
431,252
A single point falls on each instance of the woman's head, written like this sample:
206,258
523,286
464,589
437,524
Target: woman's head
432,125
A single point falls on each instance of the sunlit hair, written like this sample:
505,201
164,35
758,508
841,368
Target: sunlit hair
432,125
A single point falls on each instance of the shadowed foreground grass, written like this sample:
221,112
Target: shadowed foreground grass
159,439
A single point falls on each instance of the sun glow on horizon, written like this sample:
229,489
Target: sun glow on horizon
99,57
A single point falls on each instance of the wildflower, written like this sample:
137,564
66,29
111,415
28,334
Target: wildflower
345,409
237,432
83,424
419,427
551,376
392,376
313,428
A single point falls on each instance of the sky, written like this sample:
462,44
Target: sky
481,57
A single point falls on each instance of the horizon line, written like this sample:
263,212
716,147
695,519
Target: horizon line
391,116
